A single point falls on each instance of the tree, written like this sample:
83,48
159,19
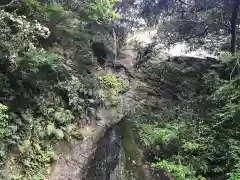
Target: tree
235,10
101,11
203,23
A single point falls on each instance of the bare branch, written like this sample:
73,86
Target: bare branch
2,6
237,64
225,25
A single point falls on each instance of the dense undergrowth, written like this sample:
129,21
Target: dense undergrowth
46,58
195,134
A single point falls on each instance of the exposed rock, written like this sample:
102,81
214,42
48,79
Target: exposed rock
159,174
81,154
108,162
91,114
94,103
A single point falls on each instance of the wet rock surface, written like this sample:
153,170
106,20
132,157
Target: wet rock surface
75,161
100,155
108,163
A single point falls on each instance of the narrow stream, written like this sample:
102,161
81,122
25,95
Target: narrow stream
116,157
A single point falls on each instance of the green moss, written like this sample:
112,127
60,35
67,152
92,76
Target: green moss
114,86
77,134
115,83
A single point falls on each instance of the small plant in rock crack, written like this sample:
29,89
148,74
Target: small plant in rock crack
114,86
116,83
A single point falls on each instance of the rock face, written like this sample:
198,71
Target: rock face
73,165
112,160
108,163
97,138
177,77
101,52
159,174
92,109
113,36
198,65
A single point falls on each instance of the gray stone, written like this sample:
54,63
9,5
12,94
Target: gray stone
91,112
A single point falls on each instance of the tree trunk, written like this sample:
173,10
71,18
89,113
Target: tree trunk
233,26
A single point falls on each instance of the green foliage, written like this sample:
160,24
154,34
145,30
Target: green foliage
55,13
116,83
151,134
190,146
43,83
102,11
77,134
235,173
38,58
114,87
63,116
36,158
198,137
19,35
180,172
5,131
52,130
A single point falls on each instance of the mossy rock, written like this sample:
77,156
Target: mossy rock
116,83
77,134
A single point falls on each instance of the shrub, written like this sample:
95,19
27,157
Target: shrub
114,86
204,127
102,10
178,171
116,83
